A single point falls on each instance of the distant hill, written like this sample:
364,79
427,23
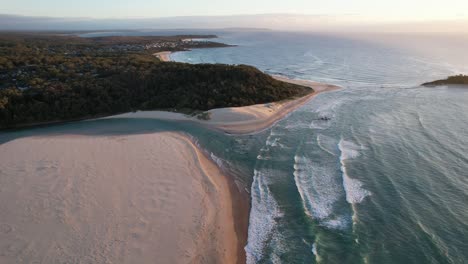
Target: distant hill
457,79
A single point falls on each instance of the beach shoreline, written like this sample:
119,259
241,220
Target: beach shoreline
244,119
163,55
282,109
231,207
239,199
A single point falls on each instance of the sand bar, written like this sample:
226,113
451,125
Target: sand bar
246,119
148,198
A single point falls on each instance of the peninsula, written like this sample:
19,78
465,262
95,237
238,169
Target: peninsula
452,80
115,198
48,78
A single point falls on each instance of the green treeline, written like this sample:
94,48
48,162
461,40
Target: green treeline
47,79
457,79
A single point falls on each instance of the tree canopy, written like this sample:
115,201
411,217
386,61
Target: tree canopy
48,79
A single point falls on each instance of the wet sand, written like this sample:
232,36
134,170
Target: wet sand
129,199
245,119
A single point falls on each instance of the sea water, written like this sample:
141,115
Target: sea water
384,179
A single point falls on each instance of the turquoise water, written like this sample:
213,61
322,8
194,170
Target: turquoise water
385,180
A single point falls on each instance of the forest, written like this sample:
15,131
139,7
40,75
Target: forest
53,78
456,79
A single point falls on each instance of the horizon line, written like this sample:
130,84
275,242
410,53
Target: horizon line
340,15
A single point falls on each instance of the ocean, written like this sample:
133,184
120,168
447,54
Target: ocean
382,179
385,180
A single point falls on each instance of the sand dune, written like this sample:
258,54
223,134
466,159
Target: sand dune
150,198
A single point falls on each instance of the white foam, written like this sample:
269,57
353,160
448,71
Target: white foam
270,140
329,109
354,191
326,111
319,124
296,125
262,217
327,144
261,157
273,133
319,190
274,142
353,187
314,249
213,157
348,149
337,223
217,160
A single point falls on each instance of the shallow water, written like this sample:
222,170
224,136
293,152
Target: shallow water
383,181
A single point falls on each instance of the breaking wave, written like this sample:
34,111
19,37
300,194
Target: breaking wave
327,144
262,217
355,193
319,189
217,160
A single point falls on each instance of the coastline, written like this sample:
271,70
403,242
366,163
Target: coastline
245,119
163,55
163,189
240,120
275,111
232,120
224,236
239,200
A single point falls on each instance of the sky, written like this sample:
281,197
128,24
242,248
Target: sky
378,10
447,16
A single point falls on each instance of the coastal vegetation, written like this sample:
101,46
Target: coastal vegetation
45,78
457,79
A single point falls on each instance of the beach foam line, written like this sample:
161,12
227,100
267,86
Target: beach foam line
217,160
355,193
326,112
262,222
316,255
327,144
245,120
274,142
319,190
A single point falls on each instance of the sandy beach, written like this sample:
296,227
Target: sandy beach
145,198
242,120
149,198
163,55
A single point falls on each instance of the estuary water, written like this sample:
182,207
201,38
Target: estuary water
383,180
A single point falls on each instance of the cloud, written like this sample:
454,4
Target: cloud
321,23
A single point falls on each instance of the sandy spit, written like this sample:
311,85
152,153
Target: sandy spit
245,119
149,198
